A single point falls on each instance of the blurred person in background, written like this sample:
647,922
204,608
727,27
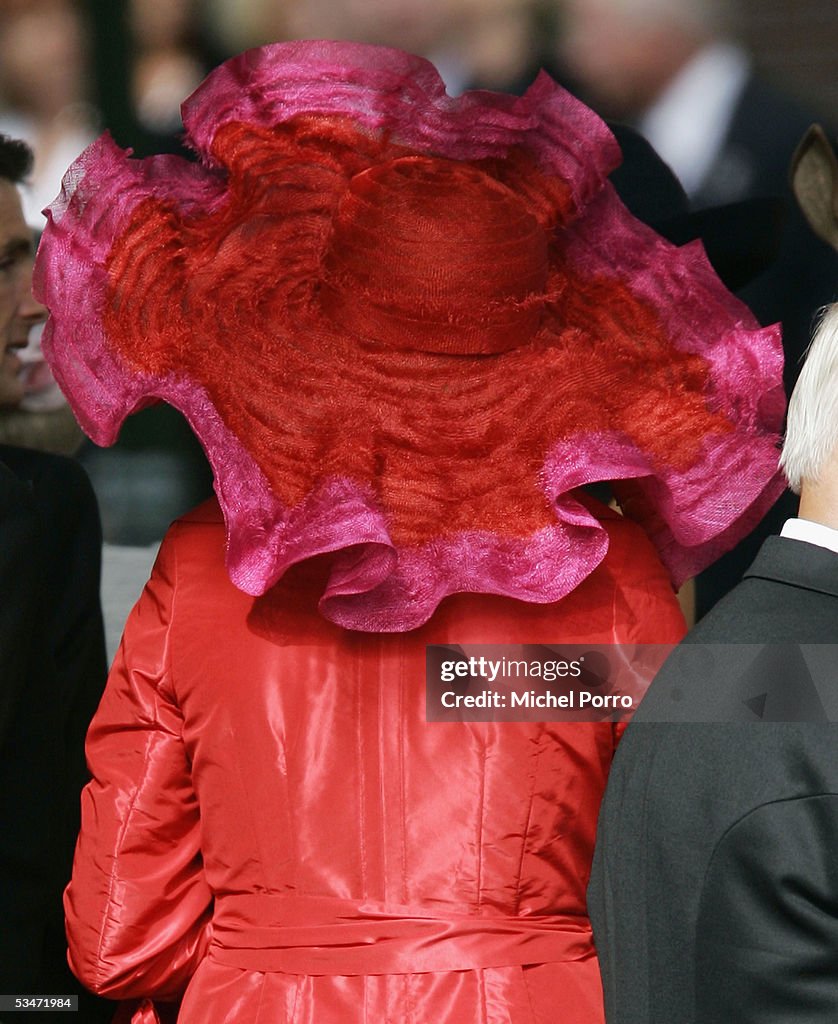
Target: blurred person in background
236,25
505,43
434,29
169,60
44,99
487,44
673,69
52,658
158,471
48,96
44,94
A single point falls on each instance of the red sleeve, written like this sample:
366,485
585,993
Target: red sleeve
138,906
646,610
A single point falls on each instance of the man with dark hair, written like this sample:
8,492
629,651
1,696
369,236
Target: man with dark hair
15,160
52,660
19,311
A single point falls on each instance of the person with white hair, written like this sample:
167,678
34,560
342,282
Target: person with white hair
714,892
812,437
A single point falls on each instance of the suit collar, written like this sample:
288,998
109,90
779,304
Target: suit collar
811,532
797,563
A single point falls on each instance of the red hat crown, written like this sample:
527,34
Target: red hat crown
435,256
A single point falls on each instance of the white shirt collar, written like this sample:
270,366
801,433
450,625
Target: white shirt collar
811,533
689,120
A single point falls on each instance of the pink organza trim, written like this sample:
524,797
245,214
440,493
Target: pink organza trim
394,93
699,314
695,515
541,568
703,511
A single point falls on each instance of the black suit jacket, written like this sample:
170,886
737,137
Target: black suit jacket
52,671
714,891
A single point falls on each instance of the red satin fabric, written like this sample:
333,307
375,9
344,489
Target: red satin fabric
144,1011
324,935
254,762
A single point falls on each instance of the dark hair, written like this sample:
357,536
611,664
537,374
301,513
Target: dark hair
15,159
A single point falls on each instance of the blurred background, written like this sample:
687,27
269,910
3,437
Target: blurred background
722,89
69,68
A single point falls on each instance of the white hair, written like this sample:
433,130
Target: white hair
812,424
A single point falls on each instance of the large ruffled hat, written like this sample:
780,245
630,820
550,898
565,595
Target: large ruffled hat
407,328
